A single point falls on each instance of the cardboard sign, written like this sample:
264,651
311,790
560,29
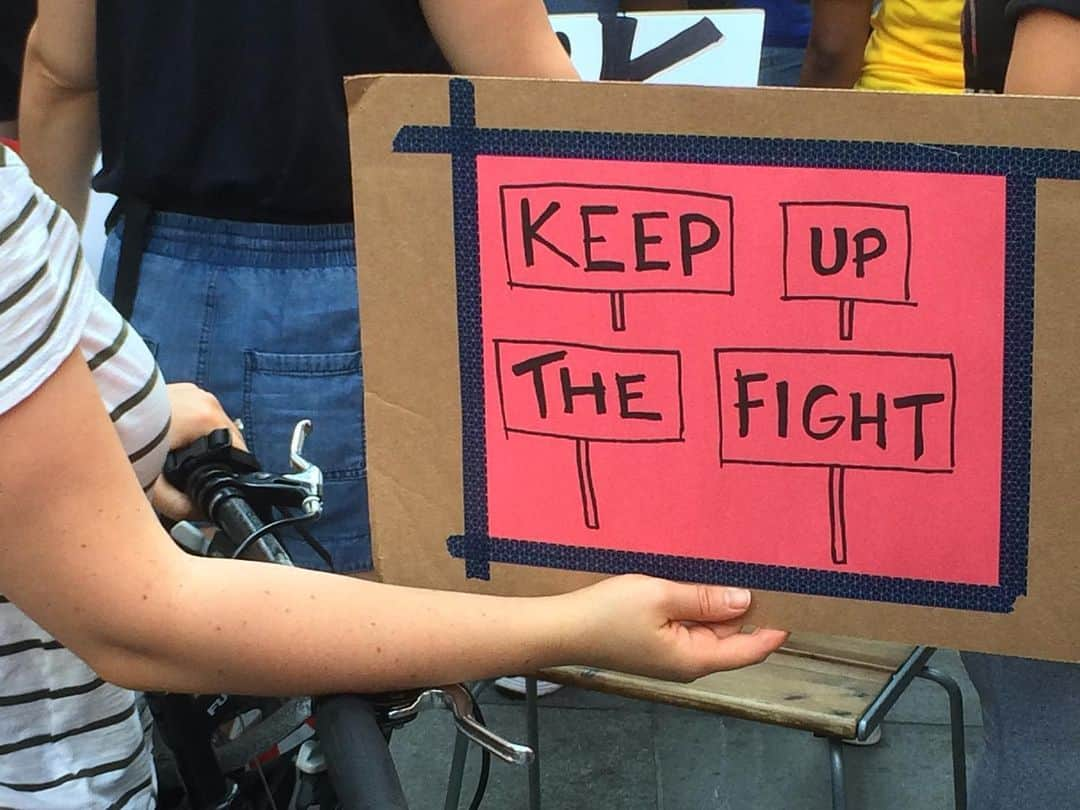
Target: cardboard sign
780,339
710,48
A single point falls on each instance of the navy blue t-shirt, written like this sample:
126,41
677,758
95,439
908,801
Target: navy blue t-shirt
787,22
235,108
16,16
582,6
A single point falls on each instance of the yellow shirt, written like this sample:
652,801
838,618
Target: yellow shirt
915,45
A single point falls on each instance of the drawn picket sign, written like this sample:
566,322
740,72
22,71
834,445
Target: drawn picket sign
617,240
589,394
837,409
813,381
847,252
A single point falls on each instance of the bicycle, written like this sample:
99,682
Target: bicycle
238,752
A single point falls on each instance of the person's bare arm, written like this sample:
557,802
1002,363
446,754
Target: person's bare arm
58,115
498,38
834,52
1046,55
82,553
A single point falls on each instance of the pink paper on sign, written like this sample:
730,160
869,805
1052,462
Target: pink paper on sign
925,505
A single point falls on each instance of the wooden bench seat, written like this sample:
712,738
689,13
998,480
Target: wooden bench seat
822,684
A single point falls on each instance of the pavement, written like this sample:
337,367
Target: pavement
600,752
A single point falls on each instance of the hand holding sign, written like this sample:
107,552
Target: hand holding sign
698,625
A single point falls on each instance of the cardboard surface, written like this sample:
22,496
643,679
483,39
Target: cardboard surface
767,337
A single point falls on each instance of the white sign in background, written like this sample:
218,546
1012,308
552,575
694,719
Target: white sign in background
722,50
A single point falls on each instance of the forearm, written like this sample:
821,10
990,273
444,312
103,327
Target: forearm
58,130
834,51
831,68
143,613
1046,55
381,637
105,580
498,38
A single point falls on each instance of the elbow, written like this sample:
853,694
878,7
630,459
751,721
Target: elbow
827,64
76,78
123,659
119,667
120,634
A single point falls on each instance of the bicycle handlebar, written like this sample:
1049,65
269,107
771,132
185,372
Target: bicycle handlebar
357,753
348,728
235,517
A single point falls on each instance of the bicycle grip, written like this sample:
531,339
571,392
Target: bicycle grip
357,755
215,449
238,520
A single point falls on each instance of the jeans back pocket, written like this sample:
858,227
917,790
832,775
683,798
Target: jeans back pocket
281,389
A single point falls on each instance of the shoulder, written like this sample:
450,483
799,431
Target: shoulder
1014,8
46,291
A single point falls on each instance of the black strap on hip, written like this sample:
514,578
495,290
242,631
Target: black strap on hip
136,214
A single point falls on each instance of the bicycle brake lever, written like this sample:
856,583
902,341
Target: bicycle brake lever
301,431
459,702
306,474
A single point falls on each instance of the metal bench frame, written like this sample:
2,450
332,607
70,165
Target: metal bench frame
916,666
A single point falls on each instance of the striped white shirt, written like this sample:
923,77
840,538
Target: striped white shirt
67,739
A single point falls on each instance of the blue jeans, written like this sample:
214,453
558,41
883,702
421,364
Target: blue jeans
780,67
581,6
265,317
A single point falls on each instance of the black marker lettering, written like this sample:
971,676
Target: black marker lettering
689,248
816,239
643,240
622,383
918,402
535,366
596,390
782,409
744,403
862,255
587,212
858,420
618,42
530,232
816,393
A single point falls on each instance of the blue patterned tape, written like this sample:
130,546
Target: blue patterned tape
464,141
